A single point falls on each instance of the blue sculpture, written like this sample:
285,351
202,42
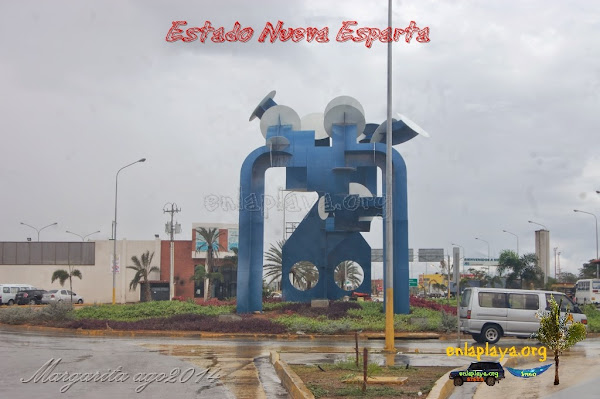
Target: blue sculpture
336,155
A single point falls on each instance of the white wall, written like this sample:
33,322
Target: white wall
96,284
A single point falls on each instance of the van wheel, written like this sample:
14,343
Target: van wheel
478,338
490,381
458,381
491,334
10,302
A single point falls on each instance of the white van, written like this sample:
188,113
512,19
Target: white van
491,313
8,292
587,291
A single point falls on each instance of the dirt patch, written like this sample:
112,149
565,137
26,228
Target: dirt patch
328,384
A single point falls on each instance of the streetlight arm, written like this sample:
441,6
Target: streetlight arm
596,219
114,271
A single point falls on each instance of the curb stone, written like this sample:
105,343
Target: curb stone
289,379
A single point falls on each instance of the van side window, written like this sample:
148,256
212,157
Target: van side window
464,300
492,300
6,290
524,301
565,304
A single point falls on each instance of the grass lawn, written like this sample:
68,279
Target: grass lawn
329,383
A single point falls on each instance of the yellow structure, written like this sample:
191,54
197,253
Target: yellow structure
430,283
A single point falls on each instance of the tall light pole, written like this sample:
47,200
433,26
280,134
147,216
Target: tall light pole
38,230
488,245
389,242
172,229
82,237
114,268
597,265
517,237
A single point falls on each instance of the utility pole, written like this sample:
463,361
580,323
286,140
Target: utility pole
172,229
555,249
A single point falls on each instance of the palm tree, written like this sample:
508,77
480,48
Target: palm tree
558,332
211,245
200,275
142,271
303,274
272,270
62,276
348,271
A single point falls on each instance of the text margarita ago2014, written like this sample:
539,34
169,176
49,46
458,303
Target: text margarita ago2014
274,32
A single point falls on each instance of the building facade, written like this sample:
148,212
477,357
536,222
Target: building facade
34,263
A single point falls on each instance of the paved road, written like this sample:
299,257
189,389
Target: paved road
242,367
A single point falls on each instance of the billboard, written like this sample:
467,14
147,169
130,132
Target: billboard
431,255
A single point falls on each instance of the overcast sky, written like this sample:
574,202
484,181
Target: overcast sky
509,92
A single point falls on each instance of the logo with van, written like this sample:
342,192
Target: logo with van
488,372
528,373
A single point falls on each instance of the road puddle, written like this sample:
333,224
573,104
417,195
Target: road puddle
244,369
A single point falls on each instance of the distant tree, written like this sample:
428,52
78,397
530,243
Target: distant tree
272,269
200,276
142,271
302,275
211,238
63,275
348,271
568,278
523,270
588,270
558,332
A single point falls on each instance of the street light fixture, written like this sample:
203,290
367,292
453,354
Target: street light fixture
506,231
83,237
539,224
597,265
114,270
38,230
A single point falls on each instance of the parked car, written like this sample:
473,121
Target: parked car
31,297
8,292
490,372
491,313
53,296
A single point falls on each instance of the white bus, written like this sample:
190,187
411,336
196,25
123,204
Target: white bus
587,291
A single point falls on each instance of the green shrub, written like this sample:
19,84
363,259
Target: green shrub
17,315
593,317
146,310
56,311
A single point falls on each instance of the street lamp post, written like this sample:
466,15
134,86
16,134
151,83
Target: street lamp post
488,245
114,270
38,230
517,237
597,265
83,237
539,224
